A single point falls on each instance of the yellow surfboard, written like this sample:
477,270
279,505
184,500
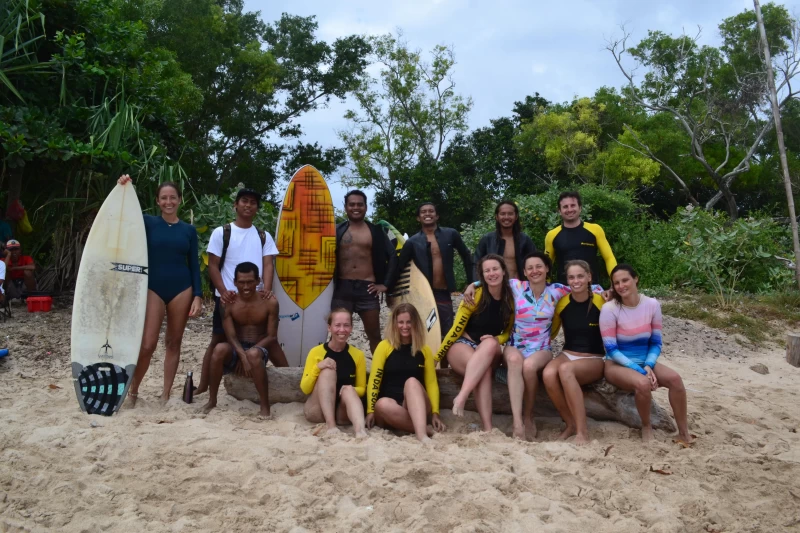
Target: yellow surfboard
306,241
412,287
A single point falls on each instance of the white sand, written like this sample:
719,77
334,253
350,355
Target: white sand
172,469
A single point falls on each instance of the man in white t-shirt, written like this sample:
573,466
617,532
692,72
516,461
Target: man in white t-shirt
245,245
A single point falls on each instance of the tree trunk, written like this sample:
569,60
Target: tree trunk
776,115
793,349
603,401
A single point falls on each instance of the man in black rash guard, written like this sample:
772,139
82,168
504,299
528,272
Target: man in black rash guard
576,239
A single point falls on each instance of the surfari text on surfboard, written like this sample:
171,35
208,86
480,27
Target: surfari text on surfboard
134,269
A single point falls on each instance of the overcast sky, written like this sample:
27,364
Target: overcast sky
506,49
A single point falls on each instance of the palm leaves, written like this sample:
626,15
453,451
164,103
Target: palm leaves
21,28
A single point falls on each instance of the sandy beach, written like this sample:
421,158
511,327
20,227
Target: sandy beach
171,468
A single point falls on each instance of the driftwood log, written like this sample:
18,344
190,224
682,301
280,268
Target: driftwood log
603,400
793,349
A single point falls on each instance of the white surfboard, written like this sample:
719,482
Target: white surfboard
110,304
303,283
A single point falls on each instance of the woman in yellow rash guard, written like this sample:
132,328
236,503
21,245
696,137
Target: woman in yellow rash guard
335,376
402,388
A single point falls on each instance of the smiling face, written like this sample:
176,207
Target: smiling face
168,200
403,324
427,215
626,285
246,207
570,210
355,208
506,216
246,283
340,327
578,279
536,271
493,272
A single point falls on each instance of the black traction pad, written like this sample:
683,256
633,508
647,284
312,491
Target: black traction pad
101,387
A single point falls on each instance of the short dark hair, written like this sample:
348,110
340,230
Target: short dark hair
356,192
570,194
244,268
540,255
249,192
423,204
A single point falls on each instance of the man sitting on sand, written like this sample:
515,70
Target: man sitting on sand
250,324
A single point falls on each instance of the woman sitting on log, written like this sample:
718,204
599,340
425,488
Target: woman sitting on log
402,389
631,329
473,344
335,376
581,360
529,351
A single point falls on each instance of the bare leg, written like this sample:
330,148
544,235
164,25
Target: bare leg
483,400
516,388
177,315
321,406
205,371
154,316
372,327
630,380
530,374
30,281
276,354
352,410
223,352
552,383
677,399
572,375
473,367
410,418
258,372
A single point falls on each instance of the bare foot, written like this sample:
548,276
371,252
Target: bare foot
208,407
647,434
530,430
362,434
458,405
333,431
581,440
519,431
130,401
162,401
567,433
426,440
265,414
198,390
686,439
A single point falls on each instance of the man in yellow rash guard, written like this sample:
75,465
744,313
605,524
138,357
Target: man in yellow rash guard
351,369
576,239
392,367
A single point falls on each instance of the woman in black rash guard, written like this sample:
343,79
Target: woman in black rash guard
402,389
581,360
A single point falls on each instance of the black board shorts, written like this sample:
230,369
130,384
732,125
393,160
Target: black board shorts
352,294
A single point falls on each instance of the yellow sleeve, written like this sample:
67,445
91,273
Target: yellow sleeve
382,352
562,303
311,370
361,370
503,337
459,325
548,243
598,301
431,382
603,246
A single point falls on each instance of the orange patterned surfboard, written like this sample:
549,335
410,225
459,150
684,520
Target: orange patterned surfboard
306,240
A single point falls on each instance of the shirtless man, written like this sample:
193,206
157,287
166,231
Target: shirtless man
251,324
507,240
364,260
432,251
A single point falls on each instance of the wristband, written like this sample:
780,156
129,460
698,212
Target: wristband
476,284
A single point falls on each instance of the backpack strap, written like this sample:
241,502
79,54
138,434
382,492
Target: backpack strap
226,240
263,236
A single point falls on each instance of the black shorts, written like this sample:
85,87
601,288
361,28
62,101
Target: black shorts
352,294
444,304
396,395
216,325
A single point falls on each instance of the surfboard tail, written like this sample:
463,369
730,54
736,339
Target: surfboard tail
101,388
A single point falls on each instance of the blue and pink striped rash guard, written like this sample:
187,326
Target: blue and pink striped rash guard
632,335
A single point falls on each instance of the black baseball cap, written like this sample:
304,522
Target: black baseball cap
249,192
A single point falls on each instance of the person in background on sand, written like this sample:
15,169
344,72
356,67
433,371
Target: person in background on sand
173,285
402,389
251,326
432,250
529,350
246,244
576,239
474,343
631,328
364,260
335,375
581,360
507,240
20,271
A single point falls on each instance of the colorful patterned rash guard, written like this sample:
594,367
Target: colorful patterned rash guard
534,316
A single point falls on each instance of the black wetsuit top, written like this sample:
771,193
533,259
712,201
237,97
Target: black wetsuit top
345,366
398,368
581,323
489,322
581,242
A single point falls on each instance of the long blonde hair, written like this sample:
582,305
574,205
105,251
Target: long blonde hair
392,333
